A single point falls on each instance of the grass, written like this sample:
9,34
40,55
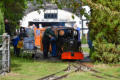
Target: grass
86,49
1,22
28,69
25,69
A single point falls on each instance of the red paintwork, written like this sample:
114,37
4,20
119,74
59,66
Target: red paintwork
67,55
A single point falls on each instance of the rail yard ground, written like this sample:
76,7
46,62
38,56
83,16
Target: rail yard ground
28,69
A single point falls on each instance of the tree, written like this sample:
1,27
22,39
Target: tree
13,11
105,29
2,29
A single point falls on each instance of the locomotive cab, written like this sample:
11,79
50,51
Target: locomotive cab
68,46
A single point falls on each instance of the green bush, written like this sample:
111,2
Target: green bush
104,29
106,52
2,28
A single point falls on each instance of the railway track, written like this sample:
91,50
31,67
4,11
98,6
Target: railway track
75,67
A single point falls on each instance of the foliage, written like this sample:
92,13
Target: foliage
106,52
105,29
13,11
74,5
1,20
84,40
85,49
2,29
104,22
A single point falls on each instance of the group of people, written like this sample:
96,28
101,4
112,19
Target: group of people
17,42
49,37
24,37
33,33
31,37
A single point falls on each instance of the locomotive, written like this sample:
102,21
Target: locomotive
68,45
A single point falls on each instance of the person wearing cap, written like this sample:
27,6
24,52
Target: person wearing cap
47,37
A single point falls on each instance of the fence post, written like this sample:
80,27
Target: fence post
5,53
8,42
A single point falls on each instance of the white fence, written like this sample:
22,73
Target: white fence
4,54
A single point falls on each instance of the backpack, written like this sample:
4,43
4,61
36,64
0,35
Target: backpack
20,44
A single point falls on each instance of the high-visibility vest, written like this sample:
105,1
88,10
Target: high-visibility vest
20,44
37,36
38,39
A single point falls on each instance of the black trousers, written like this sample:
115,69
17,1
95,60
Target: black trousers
16,51
46,44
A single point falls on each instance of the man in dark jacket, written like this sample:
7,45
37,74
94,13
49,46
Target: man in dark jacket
7,27
48,35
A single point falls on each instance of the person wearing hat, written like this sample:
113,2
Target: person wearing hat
48,36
